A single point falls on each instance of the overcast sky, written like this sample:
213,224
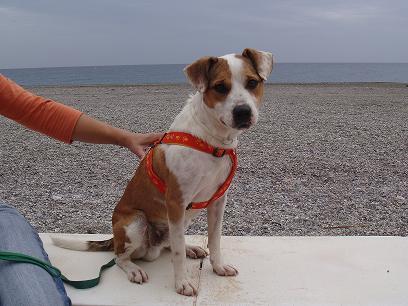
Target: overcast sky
50,33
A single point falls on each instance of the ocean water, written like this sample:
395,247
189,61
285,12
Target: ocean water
173,74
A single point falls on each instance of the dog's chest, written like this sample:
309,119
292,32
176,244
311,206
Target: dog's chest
199,174
216,174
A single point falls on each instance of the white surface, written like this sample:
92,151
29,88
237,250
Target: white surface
273,271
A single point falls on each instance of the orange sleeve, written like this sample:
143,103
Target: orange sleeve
37,113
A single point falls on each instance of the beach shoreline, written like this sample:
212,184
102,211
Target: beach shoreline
324,159
335,84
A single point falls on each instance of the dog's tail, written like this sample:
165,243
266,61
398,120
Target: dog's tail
78,245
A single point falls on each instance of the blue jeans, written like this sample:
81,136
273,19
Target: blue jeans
24,284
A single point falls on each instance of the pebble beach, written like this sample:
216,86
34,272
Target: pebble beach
324,159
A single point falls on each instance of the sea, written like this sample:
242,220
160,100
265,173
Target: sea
173,74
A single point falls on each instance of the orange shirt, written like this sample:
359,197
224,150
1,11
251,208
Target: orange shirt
37,113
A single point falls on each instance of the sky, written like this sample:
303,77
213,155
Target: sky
51,33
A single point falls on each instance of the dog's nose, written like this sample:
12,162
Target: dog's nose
242,115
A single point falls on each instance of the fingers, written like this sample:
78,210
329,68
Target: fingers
139,151
138,143
151,137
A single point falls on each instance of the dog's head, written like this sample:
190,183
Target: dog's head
232,85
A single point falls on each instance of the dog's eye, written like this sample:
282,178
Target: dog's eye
252,84
221,88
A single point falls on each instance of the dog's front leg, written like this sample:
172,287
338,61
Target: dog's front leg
176,212
215,213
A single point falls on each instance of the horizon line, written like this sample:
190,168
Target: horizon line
112,65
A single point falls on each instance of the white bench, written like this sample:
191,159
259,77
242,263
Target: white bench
273,271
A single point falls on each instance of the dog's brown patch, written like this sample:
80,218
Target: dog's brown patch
208,72
254,56
219,74
198,72
250,73
141,195
173,196
119,229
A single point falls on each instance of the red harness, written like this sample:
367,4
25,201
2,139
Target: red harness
188,140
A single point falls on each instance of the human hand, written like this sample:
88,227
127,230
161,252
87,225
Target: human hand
139,143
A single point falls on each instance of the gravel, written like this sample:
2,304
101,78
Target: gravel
324,159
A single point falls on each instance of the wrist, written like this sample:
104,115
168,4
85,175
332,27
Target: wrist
122,138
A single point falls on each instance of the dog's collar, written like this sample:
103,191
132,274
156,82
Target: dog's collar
191,141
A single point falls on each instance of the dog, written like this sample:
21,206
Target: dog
176,180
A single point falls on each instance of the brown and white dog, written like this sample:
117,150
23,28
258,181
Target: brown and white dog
145,221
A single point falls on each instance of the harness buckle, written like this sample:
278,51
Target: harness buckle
218,152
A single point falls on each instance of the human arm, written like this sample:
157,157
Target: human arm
63,122
91,130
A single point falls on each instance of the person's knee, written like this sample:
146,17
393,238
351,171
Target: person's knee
9,214
5,208
36,287
14,228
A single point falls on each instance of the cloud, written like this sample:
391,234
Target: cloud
359,14
107,32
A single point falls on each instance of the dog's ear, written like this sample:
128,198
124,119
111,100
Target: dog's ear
262,61
198,72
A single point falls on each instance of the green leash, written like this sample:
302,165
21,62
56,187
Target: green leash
55,272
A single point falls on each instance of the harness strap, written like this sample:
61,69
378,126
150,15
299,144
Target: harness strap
191,141
188,140
53,271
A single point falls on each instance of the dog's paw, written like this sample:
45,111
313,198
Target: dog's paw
225,270
137,275
185,287
195,252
